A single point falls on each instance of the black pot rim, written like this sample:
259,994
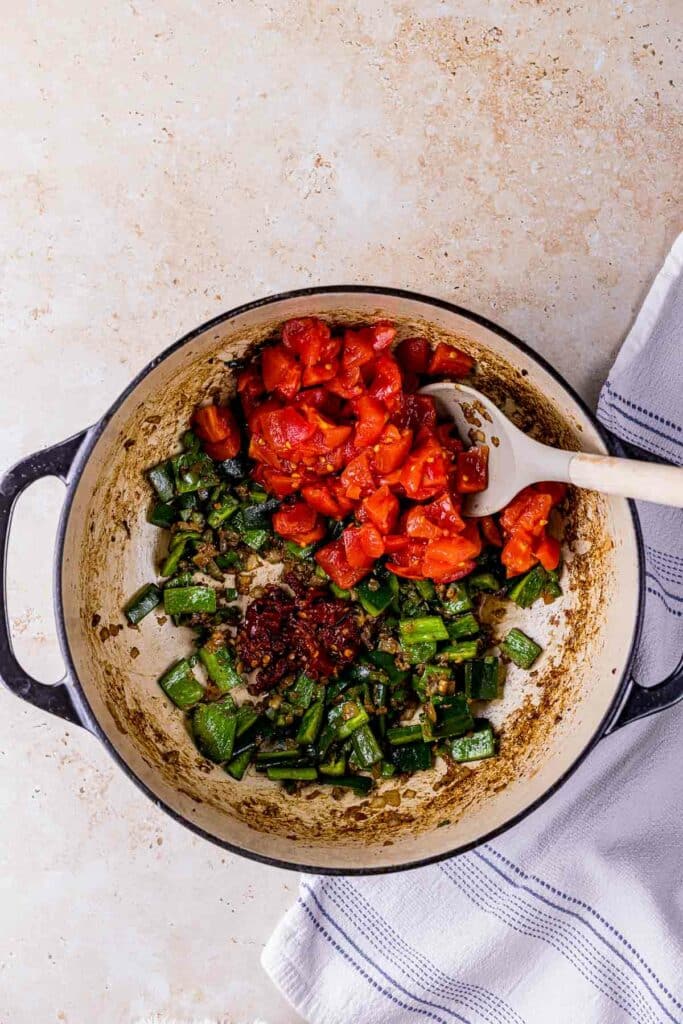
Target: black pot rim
84,709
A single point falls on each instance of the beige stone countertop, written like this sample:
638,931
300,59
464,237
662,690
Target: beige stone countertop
165,161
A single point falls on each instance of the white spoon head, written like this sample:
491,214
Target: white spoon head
480,422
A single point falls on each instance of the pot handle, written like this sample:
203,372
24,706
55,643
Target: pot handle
642,701
54,461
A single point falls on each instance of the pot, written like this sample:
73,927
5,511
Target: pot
548,719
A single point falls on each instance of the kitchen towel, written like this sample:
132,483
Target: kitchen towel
574,916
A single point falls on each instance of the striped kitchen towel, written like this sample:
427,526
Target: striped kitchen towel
575,916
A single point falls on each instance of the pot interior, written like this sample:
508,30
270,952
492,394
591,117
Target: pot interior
546,718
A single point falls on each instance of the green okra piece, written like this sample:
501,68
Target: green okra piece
333,766
483,581
462,627
227,507
387,663
220,667
476,747
280,774
482,678
302,692
528,588
185,600
142,603
246,717
520,648
294,551
401,734
411,757
365,747
376,595
458,652
424,629
163,514
360,784
425,589
239,764
420,654
290,756
456,599
214,727
352,717
453,718
161,479
229,560
310,724
181,686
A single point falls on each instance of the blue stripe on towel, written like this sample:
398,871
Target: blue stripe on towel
598,917
363,973
410,961
489,895
385,975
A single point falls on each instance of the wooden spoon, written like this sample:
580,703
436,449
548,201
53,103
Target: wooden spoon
516,460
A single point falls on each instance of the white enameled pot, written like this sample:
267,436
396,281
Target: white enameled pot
548,719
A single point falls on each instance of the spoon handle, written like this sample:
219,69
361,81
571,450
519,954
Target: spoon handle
630,478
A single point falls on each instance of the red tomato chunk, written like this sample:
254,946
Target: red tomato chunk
337,432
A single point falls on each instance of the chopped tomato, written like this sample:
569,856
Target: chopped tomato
451,361
448,438
357,349
528,511
228,448
408,560
413,355
310,339
445,512
322,499
547,551
277,483
345,503
299,522
358,478
372,417
453,557
332,435
517,555
332,558
334,421
514,509
356,555
392,449
491,531
380,508
425,471
396,542
534,516
250,388
472,470
284,429
383,333
417,411
386,383
348,382
281,371
215,423
320,373
418,524
371,540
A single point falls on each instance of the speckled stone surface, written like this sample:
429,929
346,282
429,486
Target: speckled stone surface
163,162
